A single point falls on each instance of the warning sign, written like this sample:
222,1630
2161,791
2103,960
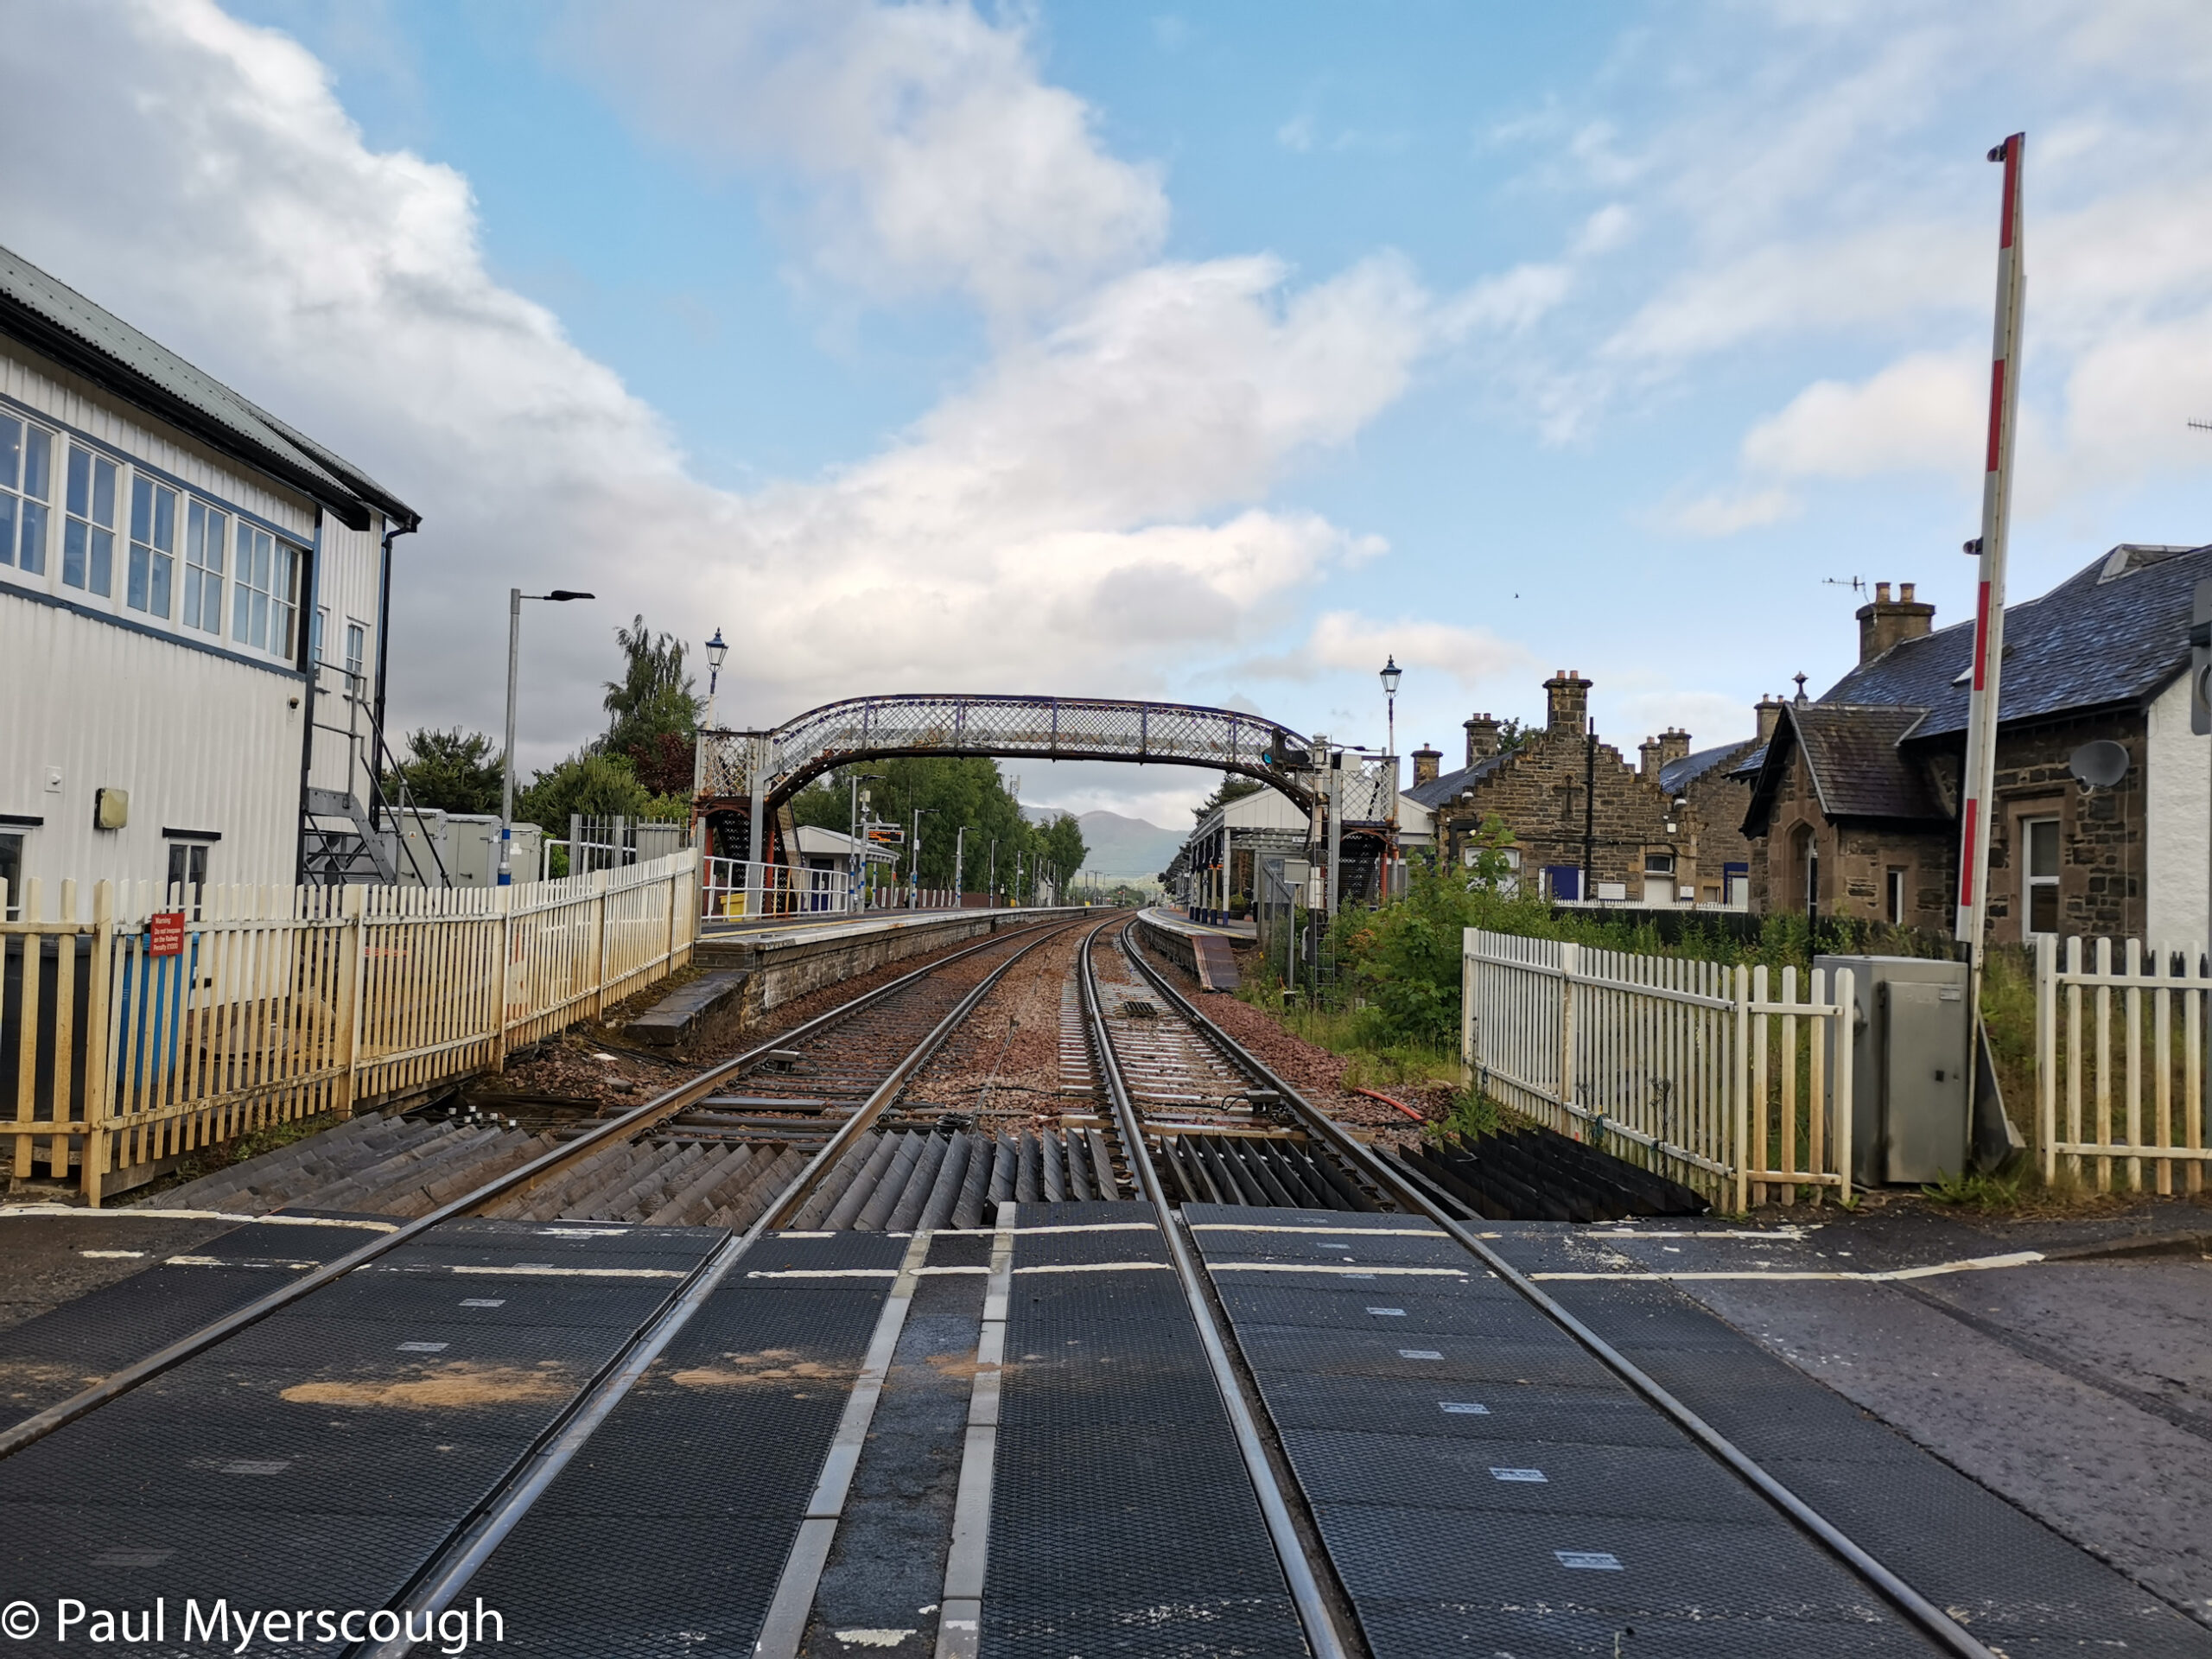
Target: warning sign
165,933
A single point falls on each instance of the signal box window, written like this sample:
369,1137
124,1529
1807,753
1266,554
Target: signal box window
2042,873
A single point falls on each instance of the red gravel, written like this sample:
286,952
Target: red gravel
1006,1060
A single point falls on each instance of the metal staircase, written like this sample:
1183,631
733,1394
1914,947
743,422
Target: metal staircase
343,843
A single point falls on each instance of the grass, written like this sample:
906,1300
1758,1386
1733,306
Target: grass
1471,1116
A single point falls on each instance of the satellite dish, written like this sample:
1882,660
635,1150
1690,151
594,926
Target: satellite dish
2100,765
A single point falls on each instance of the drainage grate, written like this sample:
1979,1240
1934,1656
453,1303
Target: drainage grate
1135,1008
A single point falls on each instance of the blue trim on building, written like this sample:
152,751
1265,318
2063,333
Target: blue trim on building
268,666
89,440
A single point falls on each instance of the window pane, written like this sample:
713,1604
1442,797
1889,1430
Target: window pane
165,518
217,526
2043,907
7,530
11,451
157,599
73,553
142,511
241,611
2043,847
33,538
258,635
102,562
38,458
134,591
80,482
104,473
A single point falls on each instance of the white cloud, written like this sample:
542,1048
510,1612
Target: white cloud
1345,641
1725,513
1926,412
1071,520
927,153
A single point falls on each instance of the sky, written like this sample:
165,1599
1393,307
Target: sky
1208,354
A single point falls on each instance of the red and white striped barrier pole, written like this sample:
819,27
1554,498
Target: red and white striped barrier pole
1989,601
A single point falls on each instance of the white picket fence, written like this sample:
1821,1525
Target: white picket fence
2121,1051
287,1003
1710,1074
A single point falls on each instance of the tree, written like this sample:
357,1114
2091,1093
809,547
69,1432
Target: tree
1062,847
652,711
450,771
596,785
952,794
1233,787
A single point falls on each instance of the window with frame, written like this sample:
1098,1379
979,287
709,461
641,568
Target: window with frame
25,472
147,584
357,650
1658,863
319,626
11,874
187,871
264,592
88,529
1893,893
2040,874
205,528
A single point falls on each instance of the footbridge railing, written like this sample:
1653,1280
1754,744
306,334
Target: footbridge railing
774,765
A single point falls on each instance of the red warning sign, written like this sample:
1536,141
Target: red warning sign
165,933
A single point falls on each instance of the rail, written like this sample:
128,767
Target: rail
1724,1073
1322,1635
1931,1619
162,1023
538,1172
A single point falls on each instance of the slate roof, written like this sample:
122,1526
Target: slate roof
61,324
1441,791
2115,632
1858,769
1678,775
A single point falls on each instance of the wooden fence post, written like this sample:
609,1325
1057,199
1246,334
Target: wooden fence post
2047,1054
99,1048
1739,1124
599,944
353,964
1570,962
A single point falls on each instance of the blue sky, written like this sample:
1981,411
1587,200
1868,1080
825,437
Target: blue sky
1205,352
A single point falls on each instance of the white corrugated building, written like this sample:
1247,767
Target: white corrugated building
193,607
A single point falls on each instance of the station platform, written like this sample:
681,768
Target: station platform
1202,948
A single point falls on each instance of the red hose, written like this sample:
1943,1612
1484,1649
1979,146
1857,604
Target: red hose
1416,1116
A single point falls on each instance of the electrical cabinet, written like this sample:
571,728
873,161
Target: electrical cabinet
1910,1048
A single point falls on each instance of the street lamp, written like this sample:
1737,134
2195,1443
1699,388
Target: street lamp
717,651
515,597
1391,675
854,863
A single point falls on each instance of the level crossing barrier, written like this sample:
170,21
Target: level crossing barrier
1726,1077
2120,1064
165,1022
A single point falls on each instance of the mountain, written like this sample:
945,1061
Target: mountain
1118,845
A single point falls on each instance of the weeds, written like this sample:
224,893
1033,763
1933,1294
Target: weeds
1978,1191
1471,1116
209,1160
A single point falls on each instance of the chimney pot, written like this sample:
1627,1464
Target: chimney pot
1886,621
1568,706
1482,738
1427,764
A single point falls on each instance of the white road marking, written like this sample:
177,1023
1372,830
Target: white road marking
1970,1264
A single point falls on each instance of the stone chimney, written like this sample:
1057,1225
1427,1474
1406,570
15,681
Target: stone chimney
1769,710
1647,758
1482,738
1887,620
1674,745
1568,708
1426,763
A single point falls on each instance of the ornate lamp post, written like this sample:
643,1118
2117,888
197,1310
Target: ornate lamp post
717,651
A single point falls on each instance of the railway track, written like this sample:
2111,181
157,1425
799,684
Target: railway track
797,1359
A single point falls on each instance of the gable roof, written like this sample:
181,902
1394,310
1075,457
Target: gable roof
1438,792
1857,768
2115,632
60,323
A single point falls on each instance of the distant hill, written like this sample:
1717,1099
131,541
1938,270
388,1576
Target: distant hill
1118,845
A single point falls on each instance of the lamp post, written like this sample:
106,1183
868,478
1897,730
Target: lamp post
1391,674
853,852
914,859
959,865
717,651
515,597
